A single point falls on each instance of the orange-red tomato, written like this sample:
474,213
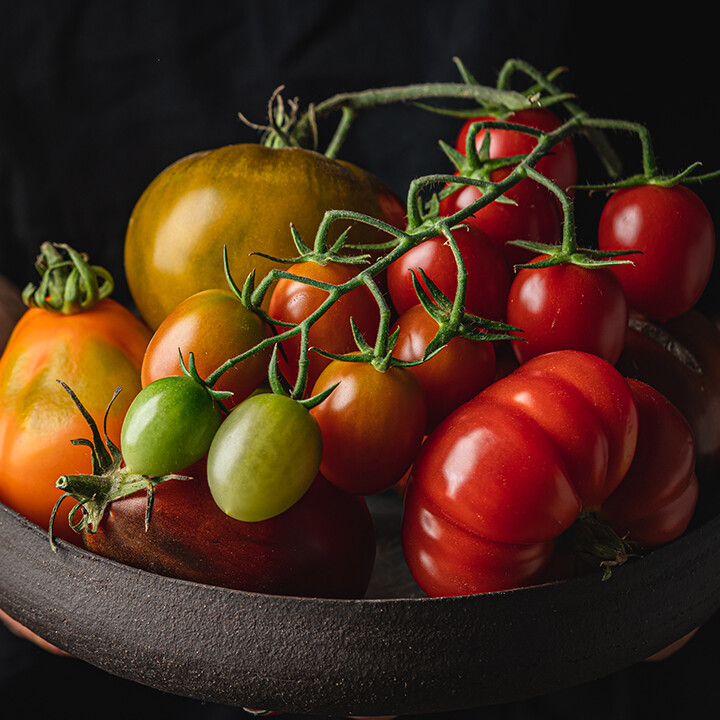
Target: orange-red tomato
94,352
215,326
372,425
293,300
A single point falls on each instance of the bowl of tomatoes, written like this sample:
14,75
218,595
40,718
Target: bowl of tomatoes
390,458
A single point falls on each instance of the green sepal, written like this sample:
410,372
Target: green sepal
108,481
583,257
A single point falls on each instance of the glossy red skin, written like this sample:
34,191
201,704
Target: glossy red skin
488,273
323,546
657,497
372,425
533,215
455,374
560,165
567,307
505,475
293,301
214,326
673,229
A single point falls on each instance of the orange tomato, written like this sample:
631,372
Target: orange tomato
94,352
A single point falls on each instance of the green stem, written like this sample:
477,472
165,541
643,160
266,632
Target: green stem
350,103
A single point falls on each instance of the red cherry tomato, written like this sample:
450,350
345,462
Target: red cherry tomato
293,301
567,307
532,215
509,472
673,229
455,374
560,165
488,273
372,425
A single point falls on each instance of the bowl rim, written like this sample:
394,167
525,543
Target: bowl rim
309,655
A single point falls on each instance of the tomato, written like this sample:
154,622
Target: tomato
488,273
681,359
532,215
94,352
168,426
214,326
244,197
323,546
567,307
455,374
559,165
264,457
293,300
657,497
501,479
372,425
673,230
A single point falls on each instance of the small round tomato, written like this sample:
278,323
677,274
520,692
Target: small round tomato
488,273
559,165
372,425
264,457
458,372
168,426
294,300
214,326
532,215
567,307
672,228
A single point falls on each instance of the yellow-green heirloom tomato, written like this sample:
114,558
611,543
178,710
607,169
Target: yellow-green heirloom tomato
264,457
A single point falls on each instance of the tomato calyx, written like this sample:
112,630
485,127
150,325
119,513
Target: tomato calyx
591,542
107,482
69,284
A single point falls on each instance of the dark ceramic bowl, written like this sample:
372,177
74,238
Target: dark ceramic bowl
399,652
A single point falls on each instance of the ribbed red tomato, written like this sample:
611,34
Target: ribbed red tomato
503,480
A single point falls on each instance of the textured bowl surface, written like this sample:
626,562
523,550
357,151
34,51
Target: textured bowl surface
395,652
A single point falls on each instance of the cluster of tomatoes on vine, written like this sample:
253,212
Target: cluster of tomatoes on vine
342,364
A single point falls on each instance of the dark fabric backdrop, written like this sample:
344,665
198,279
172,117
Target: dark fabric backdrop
98,97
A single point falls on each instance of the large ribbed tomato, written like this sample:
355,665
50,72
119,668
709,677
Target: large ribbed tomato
94,352
244,197
516,475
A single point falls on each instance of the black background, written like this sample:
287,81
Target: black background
98,97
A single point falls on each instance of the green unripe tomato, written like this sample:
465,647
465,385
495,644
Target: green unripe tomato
264,457
169,426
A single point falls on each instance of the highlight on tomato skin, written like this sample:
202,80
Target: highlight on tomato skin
489,509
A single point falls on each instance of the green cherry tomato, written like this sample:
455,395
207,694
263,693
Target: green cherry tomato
264,457
169,426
